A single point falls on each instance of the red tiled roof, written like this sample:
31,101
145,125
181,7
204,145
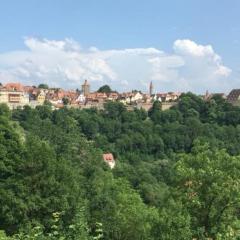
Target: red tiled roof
14,87
60,94
28,89
96,95
108,157
113,94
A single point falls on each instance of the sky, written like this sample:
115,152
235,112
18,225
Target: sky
185,45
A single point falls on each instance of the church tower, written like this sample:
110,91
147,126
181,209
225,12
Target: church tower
207,95
85,88
151,89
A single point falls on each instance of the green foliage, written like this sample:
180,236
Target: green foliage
104,89
124,215
155,111
43,85
174,222
3,236
208,181
65,101
176,176
4,110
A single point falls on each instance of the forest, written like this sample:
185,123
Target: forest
177,173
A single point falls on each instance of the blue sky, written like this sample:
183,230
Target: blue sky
114,26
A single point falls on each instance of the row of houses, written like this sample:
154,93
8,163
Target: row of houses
16,95
134,99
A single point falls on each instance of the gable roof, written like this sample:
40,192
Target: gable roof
233,95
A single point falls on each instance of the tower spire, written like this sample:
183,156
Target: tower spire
151,88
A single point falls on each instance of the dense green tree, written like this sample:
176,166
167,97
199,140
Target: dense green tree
43,85
104,89
65,101
4,110
155,110
208,181
122,212
164,184
11,188
114,110
174,222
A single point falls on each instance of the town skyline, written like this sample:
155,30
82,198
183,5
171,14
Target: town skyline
17,95
124,44
95,89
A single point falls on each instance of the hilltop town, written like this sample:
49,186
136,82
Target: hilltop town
16,95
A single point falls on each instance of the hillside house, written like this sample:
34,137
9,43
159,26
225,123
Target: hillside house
109,159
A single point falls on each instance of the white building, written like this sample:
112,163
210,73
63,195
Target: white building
14,99
81,98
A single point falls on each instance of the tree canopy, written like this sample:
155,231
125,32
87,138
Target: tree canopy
176,176
104,89
43,85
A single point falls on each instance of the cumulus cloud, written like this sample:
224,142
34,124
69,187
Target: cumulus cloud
190,48
36,45
190,66
203,67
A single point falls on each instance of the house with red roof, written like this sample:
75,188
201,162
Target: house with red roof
13,95
109,159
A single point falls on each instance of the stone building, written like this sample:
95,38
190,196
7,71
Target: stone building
85,88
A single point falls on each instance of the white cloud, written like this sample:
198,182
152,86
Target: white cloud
65,64
223,71
48,45
188,47
165,68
